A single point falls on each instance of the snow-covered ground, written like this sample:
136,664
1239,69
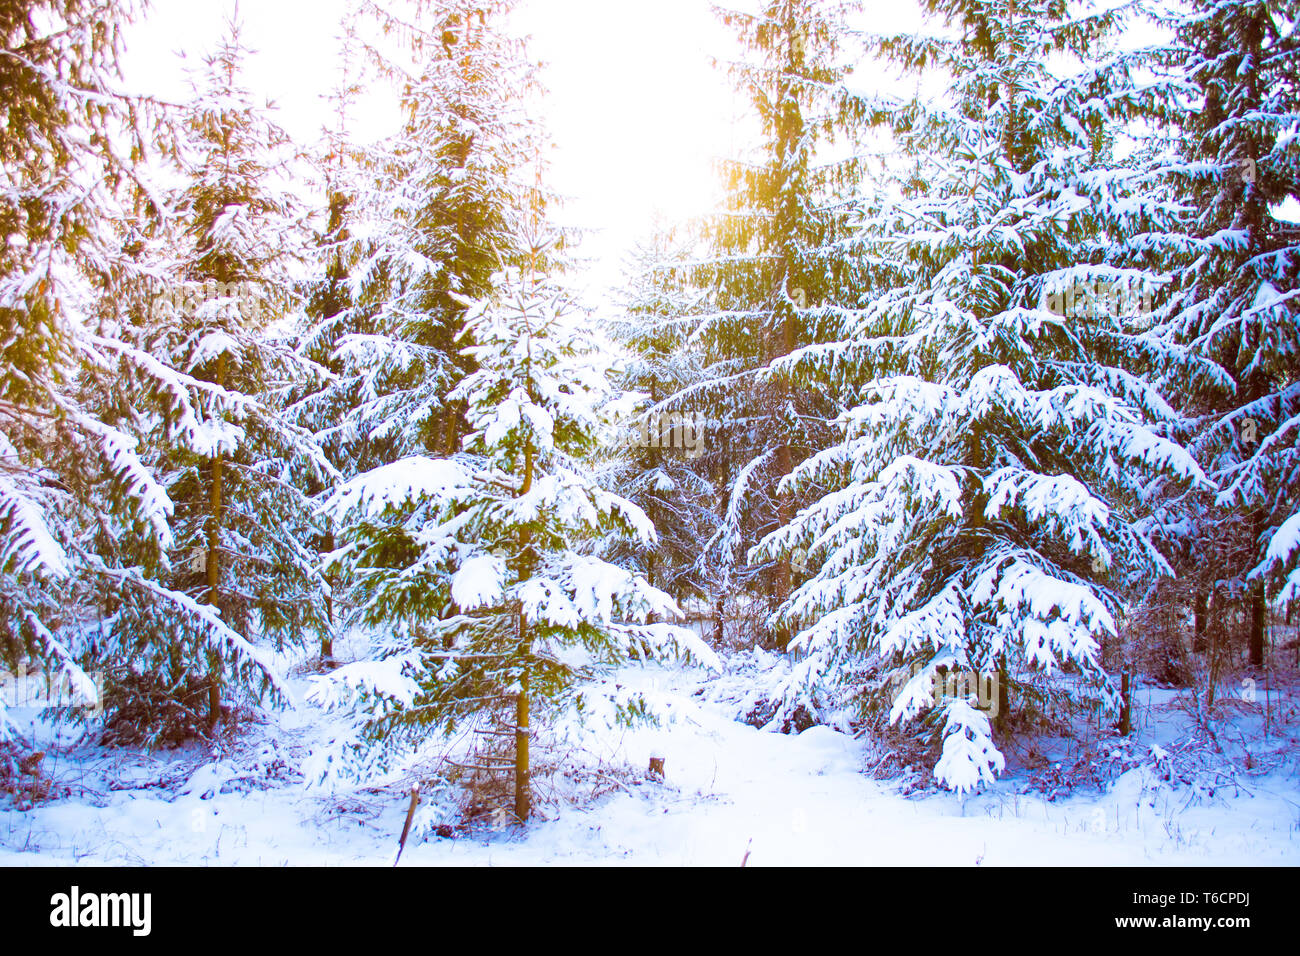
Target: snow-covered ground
732,794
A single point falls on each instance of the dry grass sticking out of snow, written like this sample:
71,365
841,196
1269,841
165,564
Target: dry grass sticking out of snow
731,793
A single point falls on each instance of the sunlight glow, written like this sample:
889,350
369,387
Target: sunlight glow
636,111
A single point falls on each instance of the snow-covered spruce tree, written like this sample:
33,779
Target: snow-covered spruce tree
774,275
990,497
338,165
67,477
328,290
324,405
484,563
240,469
1232,99
436,213
655,461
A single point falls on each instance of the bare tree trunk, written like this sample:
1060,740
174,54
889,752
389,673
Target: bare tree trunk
1258,616
651,618
784,573
1002,720
523,795
1213,677
1126,702
452,432
785,511
1201,609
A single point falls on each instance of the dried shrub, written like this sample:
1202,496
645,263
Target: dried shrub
473,790
1093,768
23,778
144,710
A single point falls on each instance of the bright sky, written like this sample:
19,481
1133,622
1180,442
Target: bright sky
635,109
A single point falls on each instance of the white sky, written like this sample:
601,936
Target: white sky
635,109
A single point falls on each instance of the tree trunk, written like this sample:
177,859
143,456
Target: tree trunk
214,567
651,618
327,636
1200,607
1258,616
1126,702
1004,695
1213,676
451,434
784,465
523,797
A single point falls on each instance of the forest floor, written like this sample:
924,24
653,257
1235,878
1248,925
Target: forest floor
732,794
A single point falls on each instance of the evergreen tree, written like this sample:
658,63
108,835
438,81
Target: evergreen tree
484,561
656,462
989,507
775,277
328,289
1231,103
437,216
68,479
329,293
238,466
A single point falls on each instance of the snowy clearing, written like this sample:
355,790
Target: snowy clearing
732,794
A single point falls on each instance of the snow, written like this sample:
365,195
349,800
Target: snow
729,789
1285,541
28,545
212,346
1288,210
969,758
407,480
1282,548
478,582
1010,456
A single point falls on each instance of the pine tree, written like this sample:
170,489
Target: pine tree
68,478
655,463
436,217
238,465
775,278
484,561
1231,104
328,290
989,507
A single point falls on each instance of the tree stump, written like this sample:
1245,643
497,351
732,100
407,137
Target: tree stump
656,766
